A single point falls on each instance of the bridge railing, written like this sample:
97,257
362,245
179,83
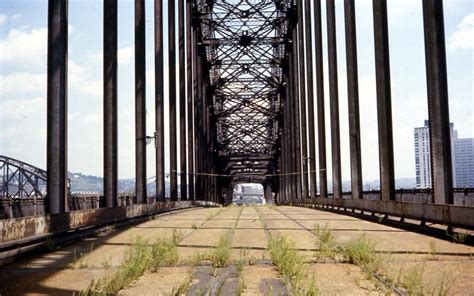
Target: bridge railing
443,214
462,196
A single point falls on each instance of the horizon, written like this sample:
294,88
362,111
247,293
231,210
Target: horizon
23,83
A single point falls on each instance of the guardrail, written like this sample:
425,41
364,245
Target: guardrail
450,215
16,231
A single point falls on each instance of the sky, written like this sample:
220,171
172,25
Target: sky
23,43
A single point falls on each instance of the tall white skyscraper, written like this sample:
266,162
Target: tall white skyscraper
462,154
422,156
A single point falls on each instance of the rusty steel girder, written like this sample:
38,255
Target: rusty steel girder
21,180
245,45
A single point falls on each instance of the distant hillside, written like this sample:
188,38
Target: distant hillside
94,184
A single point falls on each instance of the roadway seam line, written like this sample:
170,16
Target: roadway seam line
380,279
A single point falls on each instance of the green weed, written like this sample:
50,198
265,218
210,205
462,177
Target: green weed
361,251
290,265
413,280
326,242
220,256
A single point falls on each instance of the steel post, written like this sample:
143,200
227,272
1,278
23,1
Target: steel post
296,116
190,80
291,126
302,85
159,103
353,98
57,105
310,98
172,100
438,102
384,100
110,103
140,101
318,40
182,101
334,99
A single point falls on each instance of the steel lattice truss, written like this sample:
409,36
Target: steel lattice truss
245,48
21,180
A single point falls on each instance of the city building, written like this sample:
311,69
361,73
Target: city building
464,163
462,151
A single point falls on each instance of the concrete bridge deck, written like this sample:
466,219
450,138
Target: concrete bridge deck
407,259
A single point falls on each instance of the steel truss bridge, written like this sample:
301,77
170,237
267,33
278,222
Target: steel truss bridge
242,109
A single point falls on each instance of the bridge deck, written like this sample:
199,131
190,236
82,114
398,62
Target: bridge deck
72,267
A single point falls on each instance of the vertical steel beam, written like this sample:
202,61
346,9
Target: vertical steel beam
334,99
438,104
310,98
296,117
172,100
384,100
353,98
182,101
110,103
57,105
197,73
159,103
190,83
302,85
291,126
318,41
140,101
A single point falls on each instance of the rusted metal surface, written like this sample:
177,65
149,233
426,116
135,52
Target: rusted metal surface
384,99
21,228
438,101
182,101
172,100
310,97
334,99
110,103
57,105
454,216
159,103
318,41
353,98
140,102
190,97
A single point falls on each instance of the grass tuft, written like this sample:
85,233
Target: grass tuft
139,258
361,251
413,280
326,242
220,256
291,266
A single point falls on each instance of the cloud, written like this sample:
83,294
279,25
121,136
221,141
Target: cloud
20,82
24,48
3,19
81,81
463,37
125,55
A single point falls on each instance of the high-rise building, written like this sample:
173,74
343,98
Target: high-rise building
464,163
422,156
462,153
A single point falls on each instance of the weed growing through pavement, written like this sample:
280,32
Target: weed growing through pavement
181,290
413,280
325,242
220,256
460,237
434,250
290,265
139,258
362,251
